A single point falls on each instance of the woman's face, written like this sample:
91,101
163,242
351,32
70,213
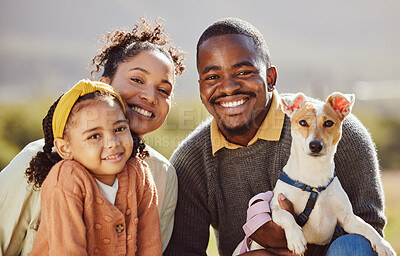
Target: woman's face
145,82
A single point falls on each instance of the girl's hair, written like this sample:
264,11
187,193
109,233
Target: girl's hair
120,45
41,164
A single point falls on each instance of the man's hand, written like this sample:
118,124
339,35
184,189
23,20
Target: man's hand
271,234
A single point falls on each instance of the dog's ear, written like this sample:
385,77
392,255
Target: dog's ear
290,105
341,103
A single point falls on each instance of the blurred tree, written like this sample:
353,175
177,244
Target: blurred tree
19,125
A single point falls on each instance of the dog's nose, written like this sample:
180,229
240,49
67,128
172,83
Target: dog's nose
316,146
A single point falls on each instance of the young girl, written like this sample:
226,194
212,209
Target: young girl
142,65
98,196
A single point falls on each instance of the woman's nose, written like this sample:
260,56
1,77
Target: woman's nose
149,95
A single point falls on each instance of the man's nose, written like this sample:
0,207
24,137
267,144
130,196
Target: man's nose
229,86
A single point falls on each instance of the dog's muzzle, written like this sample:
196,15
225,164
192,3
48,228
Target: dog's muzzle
316,146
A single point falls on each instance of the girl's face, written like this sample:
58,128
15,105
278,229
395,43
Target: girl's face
145,83
99,138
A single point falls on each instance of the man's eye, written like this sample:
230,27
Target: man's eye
213,77
246,72
329,123
303,123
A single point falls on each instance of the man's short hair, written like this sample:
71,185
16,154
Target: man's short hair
228,26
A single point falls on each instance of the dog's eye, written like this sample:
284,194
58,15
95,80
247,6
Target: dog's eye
303,123
328,123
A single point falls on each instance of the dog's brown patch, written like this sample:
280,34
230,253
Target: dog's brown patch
307,113
316,124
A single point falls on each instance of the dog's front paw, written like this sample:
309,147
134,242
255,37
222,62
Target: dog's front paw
383,248
296,242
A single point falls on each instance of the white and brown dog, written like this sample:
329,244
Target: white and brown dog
308,179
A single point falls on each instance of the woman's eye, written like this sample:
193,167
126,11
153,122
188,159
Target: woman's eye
137,80
94,136
165,92
328,123
303,123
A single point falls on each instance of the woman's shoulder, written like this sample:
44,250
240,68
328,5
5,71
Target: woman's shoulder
156,157
158,164
21,161
13,175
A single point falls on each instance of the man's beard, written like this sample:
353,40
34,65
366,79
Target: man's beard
239,130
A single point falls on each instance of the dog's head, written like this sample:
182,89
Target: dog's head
317,127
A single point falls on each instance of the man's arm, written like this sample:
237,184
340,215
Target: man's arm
271,235
357,168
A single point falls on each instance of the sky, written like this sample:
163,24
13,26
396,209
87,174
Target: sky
317,46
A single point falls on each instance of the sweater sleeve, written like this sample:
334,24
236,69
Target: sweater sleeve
357,168
62,230
65,227
192,218
149,232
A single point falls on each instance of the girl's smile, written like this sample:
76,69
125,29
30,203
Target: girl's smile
99,138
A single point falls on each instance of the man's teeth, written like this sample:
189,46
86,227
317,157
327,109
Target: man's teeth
142,111
232,104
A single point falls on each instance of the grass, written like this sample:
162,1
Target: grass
391,181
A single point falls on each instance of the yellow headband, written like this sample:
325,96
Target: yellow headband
68,100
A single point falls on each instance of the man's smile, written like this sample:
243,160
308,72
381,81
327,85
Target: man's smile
232,104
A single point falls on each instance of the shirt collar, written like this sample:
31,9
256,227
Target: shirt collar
270,128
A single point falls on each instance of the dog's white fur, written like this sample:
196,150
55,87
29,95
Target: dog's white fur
316,169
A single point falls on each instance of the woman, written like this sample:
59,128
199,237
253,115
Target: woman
141,65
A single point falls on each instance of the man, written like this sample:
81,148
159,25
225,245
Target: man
241,151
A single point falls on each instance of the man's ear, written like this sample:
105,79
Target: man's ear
272,76
62,148
105,80
290,105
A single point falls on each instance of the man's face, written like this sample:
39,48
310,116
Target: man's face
232,79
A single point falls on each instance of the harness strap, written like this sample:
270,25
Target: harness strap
312,199
304,216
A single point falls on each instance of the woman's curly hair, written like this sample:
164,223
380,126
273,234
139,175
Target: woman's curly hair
41,164
120,45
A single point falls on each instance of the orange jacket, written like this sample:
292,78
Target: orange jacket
78,220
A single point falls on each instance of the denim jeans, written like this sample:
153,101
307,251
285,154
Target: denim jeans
351,244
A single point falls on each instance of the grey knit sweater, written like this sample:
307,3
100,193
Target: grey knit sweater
215,190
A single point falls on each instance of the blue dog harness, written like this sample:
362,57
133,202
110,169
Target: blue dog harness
314,193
